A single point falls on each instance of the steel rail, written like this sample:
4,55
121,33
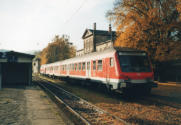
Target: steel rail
67,106
85,102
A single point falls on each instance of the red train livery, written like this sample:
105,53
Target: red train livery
117,68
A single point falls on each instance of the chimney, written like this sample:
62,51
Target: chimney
94,26
110,28
94,38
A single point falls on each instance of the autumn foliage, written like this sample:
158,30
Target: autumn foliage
150,25
58,49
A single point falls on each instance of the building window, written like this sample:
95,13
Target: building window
83,66
99,67
94,65
111,62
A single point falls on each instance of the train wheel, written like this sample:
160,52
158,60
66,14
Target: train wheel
126,92
108,88
147,91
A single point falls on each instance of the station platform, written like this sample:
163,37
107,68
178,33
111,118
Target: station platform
28,106
169,83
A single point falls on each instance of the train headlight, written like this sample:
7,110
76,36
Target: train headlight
122,85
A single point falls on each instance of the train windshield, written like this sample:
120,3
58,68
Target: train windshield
134,63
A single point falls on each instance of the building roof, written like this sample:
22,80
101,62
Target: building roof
98,32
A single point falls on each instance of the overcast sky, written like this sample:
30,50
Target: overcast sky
27,25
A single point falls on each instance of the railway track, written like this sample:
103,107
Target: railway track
142,110
88,113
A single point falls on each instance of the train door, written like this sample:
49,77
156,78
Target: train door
88,70
107,63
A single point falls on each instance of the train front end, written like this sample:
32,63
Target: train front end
135,71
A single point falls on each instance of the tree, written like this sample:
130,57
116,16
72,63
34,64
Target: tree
150,25
59,49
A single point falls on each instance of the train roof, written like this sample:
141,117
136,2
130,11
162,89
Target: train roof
91,56
96,55
126,49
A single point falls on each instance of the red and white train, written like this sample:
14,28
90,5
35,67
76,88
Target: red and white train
117,68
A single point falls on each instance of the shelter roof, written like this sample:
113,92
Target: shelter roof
6,54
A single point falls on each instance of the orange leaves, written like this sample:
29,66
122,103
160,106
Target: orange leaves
151,25
179,7
58,49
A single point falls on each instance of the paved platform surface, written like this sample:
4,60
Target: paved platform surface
27,106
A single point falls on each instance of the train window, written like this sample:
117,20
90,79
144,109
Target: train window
75,66
88,65
79,66
111,62
83,66
94,65
72,66
99,67
65,68
69,67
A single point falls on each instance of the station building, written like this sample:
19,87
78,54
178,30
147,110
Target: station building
15,68
97,40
